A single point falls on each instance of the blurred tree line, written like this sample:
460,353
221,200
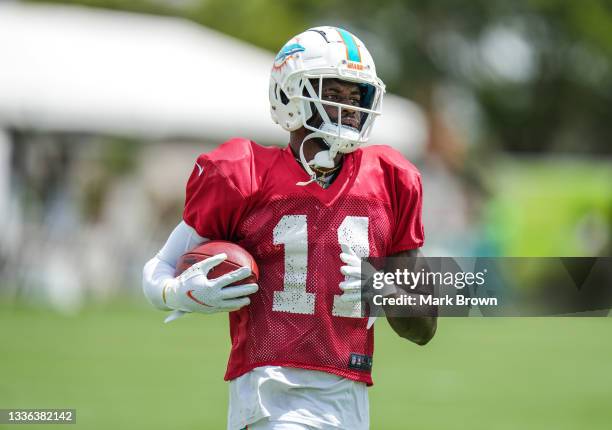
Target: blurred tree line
525,75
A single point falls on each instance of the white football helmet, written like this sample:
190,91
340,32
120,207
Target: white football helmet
314,55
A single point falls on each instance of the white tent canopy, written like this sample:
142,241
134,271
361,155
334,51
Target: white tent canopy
91,70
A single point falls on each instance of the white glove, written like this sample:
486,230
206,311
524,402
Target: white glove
192,291
351,286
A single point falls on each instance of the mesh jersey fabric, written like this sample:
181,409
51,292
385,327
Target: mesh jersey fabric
247,194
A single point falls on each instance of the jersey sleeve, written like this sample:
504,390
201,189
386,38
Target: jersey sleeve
407,204
217,193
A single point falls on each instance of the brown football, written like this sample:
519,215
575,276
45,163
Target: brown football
237,257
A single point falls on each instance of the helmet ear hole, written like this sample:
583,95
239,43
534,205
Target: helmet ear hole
283,98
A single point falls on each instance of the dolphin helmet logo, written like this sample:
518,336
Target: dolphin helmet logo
286,52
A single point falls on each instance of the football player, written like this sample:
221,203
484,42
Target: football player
301,353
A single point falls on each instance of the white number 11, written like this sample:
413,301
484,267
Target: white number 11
292,232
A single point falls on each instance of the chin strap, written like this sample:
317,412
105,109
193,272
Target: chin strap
323,159
332,135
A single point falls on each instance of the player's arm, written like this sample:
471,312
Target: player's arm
192,291
215,196
419,327
408,237
159,269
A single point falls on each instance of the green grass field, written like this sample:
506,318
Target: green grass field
544,207
121,368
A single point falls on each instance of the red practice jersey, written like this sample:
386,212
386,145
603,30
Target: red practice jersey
247,194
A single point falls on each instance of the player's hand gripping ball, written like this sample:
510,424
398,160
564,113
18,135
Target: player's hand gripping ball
217,276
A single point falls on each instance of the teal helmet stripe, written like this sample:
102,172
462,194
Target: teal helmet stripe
351,47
